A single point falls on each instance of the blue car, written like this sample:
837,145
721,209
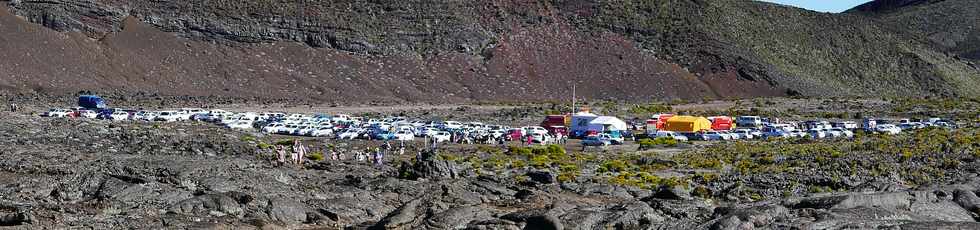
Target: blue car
384,135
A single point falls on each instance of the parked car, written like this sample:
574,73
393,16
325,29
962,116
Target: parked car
714,136
840,132
849,125
87,114
614,139
305,130
322,131
349,134
273,128
56,113
289,129
119,115
442,136
404,135
540,138
910,126
149,116
773,132
748,121
888,129
244,125
747,134
531,130
596,141
383,135
168,116
671,134
451,125
817,133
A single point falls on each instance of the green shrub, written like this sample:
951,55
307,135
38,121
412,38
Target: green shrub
315,156
513,150
540,161
285,142
702,192
613,166
555,150
263,145
647,143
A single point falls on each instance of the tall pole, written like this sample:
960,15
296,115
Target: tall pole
573,99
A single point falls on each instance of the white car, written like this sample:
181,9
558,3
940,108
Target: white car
715,136
772,132
243,125
303,130
442,136
540,138
88,114
497,134
273,128
149,116
424,132
888,129
534,130
323,131
840,132
56,113
119,116
849,125
671,134
817,133
450,125
168,116
404,135
289,129
350,134
747,134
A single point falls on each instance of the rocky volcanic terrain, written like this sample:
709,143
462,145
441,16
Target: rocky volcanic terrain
492,50
59,173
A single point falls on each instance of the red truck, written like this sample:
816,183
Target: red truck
556,124
722,123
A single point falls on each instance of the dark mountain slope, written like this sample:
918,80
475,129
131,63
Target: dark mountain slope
951,25
814,53
453,50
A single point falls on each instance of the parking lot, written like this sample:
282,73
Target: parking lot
422,132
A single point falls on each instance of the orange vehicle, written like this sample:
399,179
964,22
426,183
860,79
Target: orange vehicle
657,122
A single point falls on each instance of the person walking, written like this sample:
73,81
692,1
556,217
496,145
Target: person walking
299,152
530,140
280,155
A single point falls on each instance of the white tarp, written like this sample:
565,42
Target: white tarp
607,123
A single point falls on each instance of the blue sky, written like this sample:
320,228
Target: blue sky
833,6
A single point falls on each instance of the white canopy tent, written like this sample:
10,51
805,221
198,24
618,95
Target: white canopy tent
607,123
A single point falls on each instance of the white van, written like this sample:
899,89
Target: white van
671,134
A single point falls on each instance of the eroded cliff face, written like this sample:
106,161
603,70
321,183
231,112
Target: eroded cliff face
453,51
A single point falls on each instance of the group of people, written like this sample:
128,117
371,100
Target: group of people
283,155
296,156
299,151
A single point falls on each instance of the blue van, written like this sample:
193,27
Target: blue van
91,102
